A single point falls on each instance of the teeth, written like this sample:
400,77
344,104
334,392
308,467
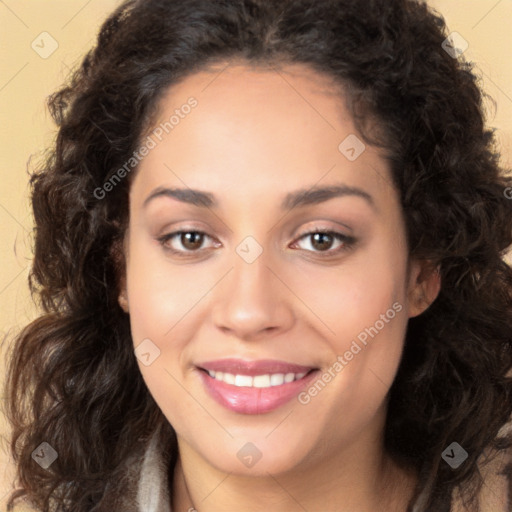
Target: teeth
261,381
229,378
242,380
276,379
258,381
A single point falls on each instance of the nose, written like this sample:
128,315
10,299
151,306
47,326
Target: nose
253,301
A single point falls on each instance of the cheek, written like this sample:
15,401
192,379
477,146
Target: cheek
342,302
158,293
353,296
363,315
161,299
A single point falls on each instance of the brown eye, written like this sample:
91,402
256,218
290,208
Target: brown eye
322,241
183,242
191,240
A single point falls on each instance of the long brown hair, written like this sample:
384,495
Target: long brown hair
73,381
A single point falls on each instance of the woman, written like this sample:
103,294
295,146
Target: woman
269,248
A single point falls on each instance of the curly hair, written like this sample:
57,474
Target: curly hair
73,380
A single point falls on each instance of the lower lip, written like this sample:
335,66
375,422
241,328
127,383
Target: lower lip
249,400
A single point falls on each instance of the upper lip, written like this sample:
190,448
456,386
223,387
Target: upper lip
254,367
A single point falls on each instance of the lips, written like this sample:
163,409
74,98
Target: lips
254,387
252,368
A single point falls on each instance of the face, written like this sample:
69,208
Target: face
268,316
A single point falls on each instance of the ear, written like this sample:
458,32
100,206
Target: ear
118,257
123,297
423,287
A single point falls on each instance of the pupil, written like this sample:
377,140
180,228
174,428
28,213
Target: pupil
190,241
318,237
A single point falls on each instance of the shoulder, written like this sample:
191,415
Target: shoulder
496,472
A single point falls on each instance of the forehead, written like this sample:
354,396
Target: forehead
228,75
251,127
249,92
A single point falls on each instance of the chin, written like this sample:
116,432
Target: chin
255,458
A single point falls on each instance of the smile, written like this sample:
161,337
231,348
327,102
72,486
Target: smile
254,387
258,381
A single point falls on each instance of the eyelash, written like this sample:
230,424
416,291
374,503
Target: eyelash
347,242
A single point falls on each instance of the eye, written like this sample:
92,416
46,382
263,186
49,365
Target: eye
322,240
190,240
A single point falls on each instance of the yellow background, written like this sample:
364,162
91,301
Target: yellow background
26,79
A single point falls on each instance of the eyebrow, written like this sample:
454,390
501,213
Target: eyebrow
298,198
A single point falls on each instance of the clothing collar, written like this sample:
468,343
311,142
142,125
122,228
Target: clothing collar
153,489
145,486
141,483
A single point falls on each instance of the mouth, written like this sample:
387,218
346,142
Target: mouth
254,387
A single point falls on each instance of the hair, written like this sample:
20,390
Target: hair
72,377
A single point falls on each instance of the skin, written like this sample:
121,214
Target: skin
256,135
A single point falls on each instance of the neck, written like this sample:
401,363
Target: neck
361,477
